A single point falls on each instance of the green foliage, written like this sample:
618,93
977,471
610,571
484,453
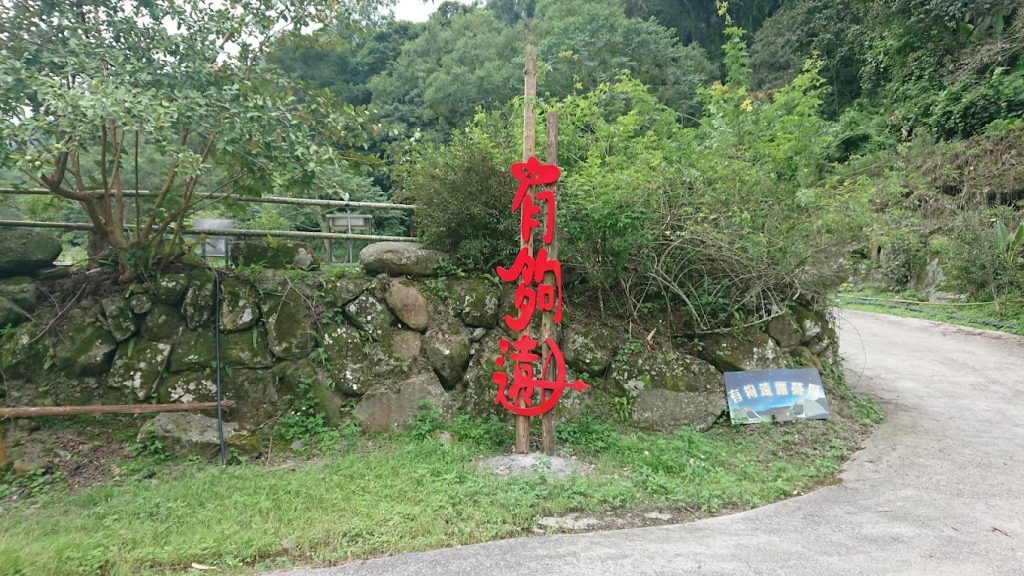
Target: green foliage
186,80
463,196
983,258
903,257
304,418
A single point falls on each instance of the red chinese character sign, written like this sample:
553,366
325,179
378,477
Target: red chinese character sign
529,394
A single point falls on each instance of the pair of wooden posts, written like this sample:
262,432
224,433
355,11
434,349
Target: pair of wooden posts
547,330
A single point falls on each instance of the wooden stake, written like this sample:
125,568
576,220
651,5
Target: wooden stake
529,142
36,411
547,326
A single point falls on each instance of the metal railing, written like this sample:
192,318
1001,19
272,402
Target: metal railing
239,233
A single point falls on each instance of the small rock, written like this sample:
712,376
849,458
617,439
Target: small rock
406,345
188,434
120,319
409,305
369,315
140,303
448,355
655,515
276,255
569,522
170,288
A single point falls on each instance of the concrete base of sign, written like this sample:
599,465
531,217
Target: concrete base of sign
553,467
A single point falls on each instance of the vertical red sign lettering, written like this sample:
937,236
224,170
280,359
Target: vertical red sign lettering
530,394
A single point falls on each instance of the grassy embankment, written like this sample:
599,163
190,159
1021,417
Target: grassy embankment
1004,316
349,495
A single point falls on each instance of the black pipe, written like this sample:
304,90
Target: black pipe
216,337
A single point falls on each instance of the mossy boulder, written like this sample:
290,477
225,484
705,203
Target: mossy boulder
191,386
477,392
668,390
17,300
337,292
119,317
369,315
346,353
196,435
86,349
589,349
140,303
289,323
193,351
299,374
240,307
785,330
750,350
246,349
256,395
138,367
448,355
478,302
25,250
668,411
275,255
170,288
24,351
408,305
645,369
395,407
805,358
163,323
199,302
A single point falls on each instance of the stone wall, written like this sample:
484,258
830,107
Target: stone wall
371,344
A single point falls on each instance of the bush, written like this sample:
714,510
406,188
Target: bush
903,256
976,262
464,197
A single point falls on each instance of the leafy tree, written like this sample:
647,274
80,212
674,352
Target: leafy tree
81,79
586,44
464,58
343,61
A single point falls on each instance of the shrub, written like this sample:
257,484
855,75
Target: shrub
464,197
977,263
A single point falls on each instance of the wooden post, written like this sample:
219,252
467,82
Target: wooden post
35,411
547,326
529,141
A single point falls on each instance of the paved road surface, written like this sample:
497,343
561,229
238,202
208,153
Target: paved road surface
938,489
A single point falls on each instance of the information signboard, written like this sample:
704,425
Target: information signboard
779,395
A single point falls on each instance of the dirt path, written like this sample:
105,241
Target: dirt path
938,490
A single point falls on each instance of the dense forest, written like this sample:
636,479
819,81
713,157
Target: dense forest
719,158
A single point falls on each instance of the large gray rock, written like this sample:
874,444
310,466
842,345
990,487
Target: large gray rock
589,349
346,352
479,303
25,250
188,434
86,349
409,305
751,350
17,300
448,355
138,366
668,411
669,390
785,330
170,288
120,319
276,255
395,407
198,305
289,323
239,307
369,315
400,258
163,324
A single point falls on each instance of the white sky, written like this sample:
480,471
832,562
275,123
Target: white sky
418,10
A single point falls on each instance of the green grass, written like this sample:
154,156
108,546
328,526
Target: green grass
1007,316
385,495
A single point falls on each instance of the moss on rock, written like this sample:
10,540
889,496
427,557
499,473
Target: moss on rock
138,366
86,349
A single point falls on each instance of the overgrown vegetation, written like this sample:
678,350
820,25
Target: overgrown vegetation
370,495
